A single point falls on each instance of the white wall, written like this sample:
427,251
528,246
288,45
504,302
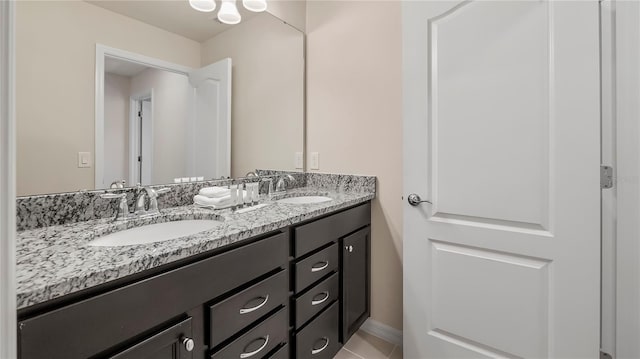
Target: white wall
171,103
116,127
267,92
354,121
7,183
55,46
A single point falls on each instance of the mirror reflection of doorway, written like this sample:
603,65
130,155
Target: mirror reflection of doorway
160,122
141,140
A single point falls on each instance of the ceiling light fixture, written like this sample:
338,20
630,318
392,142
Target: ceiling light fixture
203,5
255,5
228,13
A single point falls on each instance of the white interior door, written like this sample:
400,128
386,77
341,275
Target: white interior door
625,206
502,134
209,144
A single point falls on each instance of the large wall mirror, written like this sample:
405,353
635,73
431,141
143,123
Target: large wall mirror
154,91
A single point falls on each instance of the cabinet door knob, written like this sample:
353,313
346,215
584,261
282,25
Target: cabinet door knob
188,344
348,248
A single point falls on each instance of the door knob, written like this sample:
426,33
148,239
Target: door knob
415,200
188,344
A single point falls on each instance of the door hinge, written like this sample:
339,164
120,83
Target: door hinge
606,176
139,158
604,355
140,114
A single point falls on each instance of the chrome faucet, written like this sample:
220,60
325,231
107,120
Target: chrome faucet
281,183
141,199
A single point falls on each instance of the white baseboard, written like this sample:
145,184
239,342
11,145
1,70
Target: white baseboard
382,331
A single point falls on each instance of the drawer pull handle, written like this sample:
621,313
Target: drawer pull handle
320,301
250,354
253,309
326,344
321,268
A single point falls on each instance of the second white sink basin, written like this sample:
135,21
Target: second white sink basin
304,200
157,232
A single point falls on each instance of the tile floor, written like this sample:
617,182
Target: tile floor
366,346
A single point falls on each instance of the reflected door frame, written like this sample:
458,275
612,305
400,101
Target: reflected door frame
140,127
103,51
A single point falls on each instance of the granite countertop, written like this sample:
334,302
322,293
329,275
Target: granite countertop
57,260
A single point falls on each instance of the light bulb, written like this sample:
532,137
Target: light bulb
228,13
255,5
203,5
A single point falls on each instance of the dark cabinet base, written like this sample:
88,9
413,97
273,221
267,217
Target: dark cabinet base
299,293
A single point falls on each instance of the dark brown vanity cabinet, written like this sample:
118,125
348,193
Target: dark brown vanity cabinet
297,293
355,279
141,316
174,342
331,281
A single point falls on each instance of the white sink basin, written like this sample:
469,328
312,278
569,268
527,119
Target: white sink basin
304,200
155,233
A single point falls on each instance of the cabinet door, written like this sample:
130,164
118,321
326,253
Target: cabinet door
171,343
355,281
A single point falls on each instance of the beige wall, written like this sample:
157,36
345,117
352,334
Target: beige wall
294,12
267,106
354,64
55,71
116,127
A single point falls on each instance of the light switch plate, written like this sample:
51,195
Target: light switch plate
315,161
298,161
84,159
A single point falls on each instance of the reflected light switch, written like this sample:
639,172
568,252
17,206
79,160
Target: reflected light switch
84,159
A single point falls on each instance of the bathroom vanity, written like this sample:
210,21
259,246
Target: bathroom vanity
293,291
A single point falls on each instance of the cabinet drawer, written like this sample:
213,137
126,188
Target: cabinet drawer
317,298
236,312
282,353
168,344
313,268
319,339
123,313
260,340
313,235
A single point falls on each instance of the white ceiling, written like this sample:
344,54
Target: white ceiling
173,15
122,67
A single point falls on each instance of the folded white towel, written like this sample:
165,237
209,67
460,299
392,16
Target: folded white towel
215,192
215,203
206,201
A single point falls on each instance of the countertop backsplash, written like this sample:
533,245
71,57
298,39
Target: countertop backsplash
71,207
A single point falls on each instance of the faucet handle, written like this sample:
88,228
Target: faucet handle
113,195
163,190
123,208
153,198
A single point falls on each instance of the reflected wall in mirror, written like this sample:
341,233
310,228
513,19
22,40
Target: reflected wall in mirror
158,122
56,89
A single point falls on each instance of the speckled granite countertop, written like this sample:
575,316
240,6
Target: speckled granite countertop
57,260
